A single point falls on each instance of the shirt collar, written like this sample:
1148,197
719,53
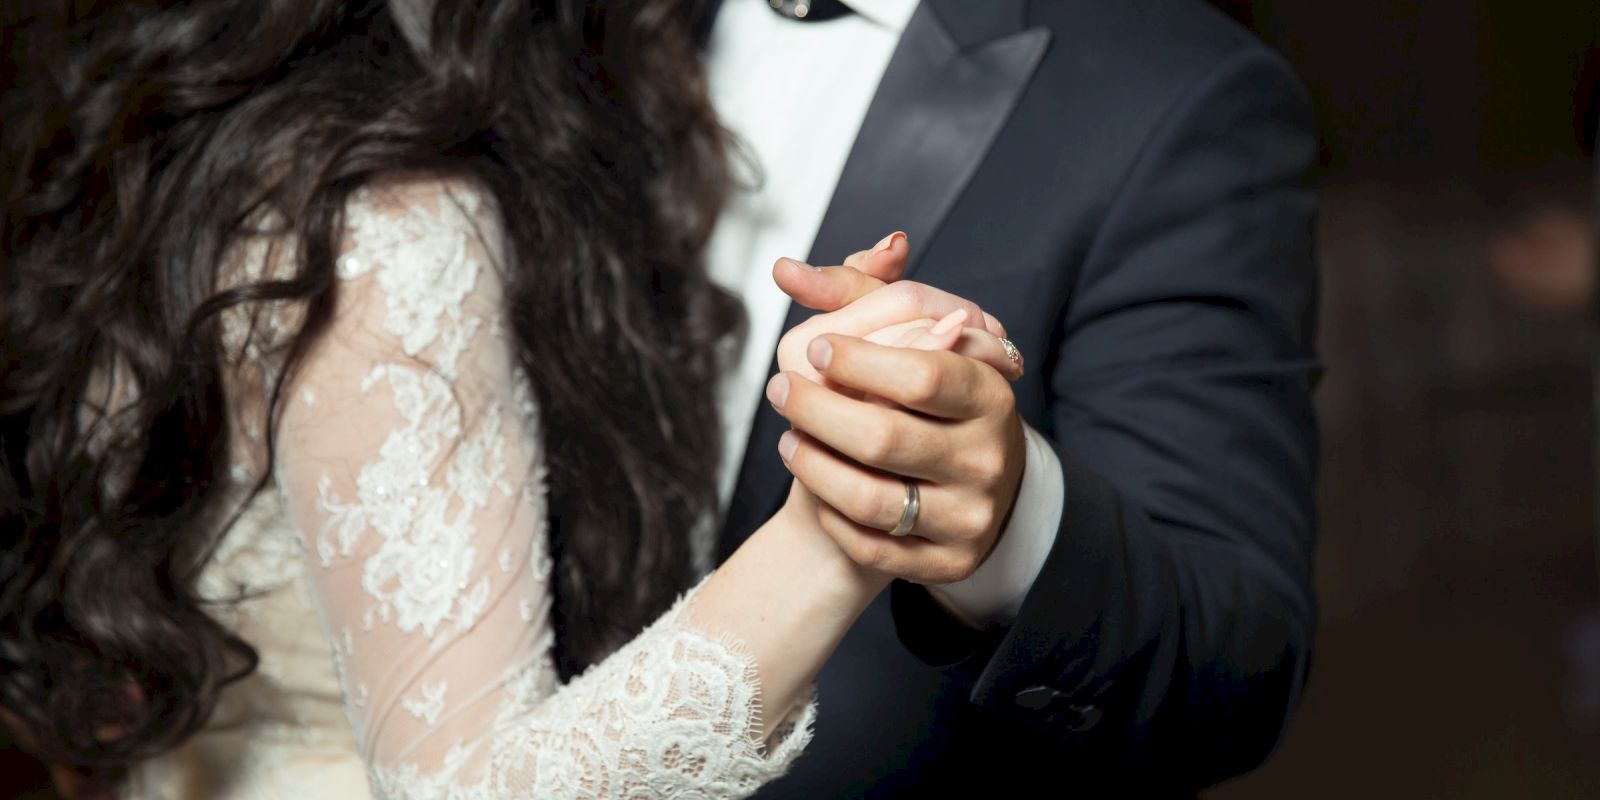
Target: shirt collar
891,14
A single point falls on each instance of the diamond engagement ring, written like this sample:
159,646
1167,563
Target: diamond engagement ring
1012,352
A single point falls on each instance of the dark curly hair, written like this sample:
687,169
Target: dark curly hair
141,137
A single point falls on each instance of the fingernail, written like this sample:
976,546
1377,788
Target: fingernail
778,390
949,323
799,263
820,353
787,444
887,242
993,323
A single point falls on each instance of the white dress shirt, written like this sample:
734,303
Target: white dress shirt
795,94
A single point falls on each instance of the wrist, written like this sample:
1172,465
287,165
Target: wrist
821,557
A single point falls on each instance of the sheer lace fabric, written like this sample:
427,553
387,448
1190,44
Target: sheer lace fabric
409,489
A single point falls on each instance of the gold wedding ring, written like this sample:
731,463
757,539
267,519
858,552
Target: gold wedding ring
908,510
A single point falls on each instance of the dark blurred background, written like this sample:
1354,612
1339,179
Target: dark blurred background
1457,568
1459,649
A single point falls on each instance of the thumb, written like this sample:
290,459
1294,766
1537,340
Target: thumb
822,288
886,261
833,288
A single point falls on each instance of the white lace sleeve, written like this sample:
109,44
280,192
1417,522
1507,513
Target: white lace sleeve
408,454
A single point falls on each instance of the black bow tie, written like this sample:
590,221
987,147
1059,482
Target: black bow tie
809,10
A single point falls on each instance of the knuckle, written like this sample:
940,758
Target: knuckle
846,286
880,446
986,465
871,553
974,313
956,567
922,381
866,503
974,376
861,550
998,388
907,297
978,519
978,380
993,466
878,559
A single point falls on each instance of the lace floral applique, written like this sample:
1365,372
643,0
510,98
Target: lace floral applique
414,473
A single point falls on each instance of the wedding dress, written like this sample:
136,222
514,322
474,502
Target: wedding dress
394,575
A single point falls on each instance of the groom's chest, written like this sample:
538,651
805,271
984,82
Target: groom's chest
793,95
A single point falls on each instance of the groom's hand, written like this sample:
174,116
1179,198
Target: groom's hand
953,426
957,434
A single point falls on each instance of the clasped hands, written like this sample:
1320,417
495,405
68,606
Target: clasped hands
898,381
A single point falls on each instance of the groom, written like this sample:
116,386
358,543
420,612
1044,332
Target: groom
1117,598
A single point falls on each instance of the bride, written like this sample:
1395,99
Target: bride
357,394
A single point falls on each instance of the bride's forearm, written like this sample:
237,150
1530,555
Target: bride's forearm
789,595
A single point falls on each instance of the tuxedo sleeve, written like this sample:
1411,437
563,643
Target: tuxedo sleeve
1171,624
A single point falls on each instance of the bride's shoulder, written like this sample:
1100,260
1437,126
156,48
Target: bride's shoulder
412,248
427,245
425,194
409,210
389,216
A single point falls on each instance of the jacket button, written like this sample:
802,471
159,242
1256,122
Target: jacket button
1082,718
1037,698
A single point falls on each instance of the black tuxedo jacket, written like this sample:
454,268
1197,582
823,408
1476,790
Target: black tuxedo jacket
1124,185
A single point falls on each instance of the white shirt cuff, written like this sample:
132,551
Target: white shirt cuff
993,594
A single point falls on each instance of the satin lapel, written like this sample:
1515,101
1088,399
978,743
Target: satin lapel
936,112
949,88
